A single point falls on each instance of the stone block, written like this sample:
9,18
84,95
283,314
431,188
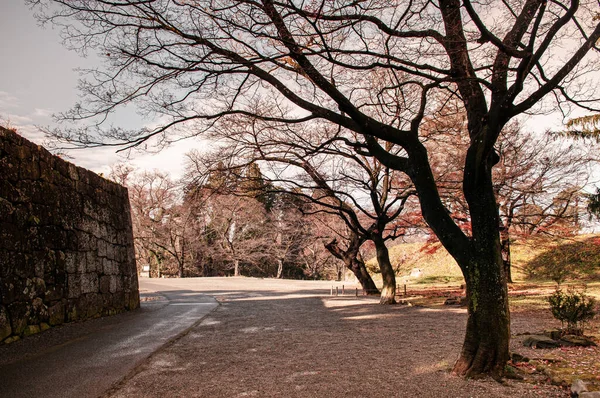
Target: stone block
38,312
89,283
6,209
12,339
72,311
10,169
112,252
109,267
132,300
40,258
73,172
26,267
11,237
8,263
31,329
72,241
119,300
60,264
93,262
29,169
5,328
11,289
104,283
93,305
36,190
38,288
115,284
87,242
73,285
19,315
75,262
8,191
102,247
54,293
56,314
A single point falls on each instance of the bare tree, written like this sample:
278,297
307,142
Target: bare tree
159,219
375,68
358,189
538,181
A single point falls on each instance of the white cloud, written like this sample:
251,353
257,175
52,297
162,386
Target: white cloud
8,101
170,160
45,113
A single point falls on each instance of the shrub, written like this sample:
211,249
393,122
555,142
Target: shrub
573,308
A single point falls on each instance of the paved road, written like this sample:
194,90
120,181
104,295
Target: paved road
85,359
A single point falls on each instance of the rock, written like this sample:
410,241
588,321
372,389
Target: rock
458,300
540,341
515,357
578,387
31,329
577,341
554,334
590,394
44,326
12,339
511,372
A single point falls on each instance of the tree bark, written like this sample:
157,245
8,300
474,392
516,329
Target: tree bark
350,257
505,249
359,269
486,345
279,268
388,291
236,267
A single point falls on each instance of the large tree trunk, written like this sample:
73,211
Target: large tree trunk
351,259
486,346
388,291
505,249
364,278
236,267
279,269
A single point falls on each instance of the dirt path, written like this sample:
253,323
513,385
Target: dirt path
266,342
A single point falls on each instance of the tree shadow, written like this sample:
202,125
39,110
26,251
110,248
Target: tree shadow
575,260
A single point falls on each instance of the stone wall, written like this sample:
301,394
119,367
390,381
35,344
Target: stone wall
66,244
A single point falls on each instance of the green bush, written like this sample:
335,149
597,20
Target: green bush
573,308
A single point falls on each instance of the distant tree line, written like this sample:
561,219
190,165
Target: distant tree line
315,213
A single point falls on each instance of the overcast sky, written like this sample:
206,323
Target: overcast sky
38,78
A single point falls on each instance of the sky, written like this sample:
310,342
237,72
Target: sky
38,78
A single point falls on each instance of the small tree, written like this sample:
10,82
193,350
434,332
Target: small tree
573,308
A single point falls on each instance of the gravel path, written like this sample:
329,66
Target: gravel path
276,339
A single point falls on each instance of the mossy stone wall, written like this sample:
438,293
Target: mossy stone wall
66,243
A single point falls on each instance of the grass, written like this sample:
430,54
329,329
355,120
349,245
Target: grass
537,260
